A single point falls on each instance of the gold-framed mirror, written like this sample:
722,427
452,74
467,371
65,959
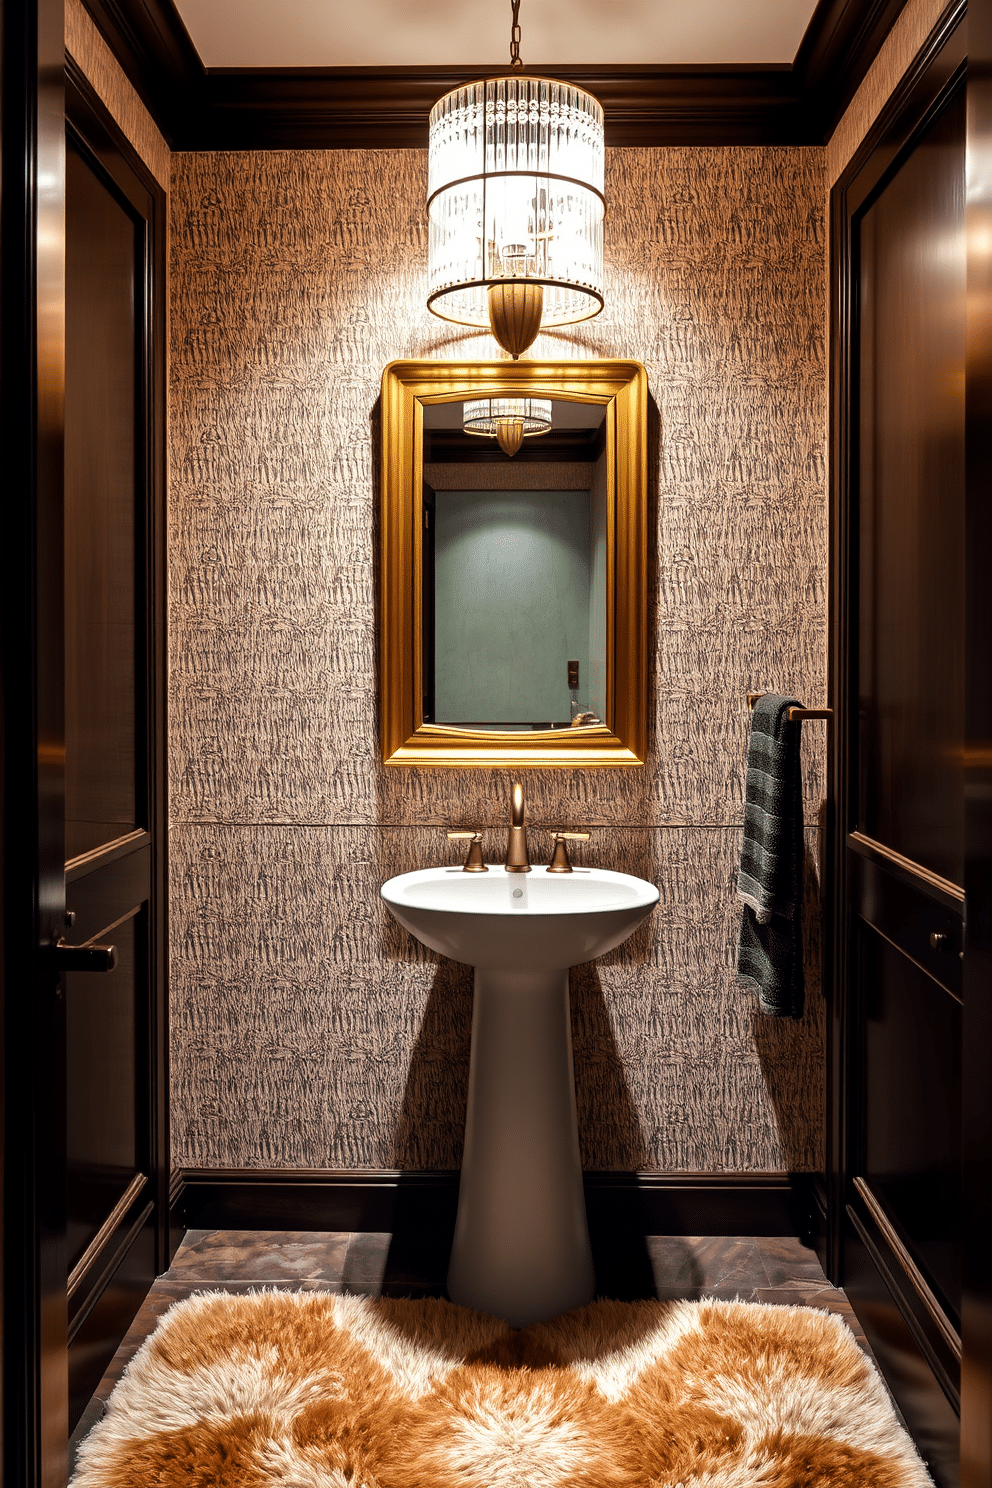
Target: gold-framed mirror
513,566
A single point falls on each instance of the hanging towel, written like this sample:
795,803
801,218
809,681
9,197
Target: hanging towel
770,881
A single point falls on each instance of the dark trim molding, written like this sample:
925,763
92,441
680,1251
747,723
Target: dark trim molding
33,1320
976,1308
316,1199
417,1211
387,108
841,42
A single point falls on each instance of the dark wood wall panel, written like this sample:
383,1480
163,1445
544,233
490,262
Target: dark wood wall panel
912,1113
296,277
911,505
103,799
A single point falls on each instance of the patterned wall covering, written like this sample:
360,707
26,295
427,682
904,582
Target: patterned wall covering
915,22
97,62
307,1029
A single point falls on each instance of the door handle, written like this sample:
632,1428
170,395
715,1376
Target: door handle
82,958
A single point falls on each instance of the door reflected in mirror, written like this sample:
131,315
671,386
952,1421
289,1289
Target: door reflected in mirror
514,566
513,563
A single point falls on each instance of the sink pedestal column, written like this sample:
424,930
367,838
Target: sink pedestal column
521,1248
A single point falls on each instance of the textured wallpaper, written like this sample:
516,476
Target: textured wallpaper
914,24
87,47
307,1029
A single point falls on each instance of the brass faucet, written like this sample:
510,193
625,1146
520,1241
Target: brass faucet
474,862
517,860
560,863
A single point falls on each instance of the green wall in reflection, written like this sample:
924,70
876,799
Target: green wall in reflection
515,572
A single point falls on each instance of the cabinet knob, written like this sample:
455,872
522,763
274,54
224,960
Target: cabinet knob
939,941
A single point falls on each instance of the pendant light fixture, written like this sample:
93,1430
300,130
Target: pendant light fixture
509,420
515,204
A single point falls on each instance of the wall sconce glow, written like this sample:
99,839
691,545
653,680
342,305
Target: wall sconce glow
515,206
508,420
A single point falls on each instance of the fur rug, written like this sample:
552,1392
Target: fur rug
311,1390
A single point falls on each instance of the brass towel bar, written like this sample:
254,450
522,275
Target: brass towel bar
796,715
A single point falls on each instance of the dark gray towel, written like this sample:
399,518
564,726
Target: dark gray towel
770,881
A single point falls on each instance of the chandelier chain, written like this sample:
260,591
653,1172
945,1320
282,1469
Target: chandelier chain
515,58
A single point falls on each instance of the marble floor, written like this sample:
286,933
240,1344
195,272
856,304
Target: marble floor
754,1269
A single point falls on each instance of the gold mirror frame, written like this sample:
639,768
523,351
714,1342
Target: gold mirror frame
406,388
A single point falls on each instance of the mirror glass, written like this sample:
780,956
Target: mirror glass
514,565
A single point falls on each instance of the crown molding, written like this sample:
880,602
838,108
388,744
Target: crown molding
387,108
841,42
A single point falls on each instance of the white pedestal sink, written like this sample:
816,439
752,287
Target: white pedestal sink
521,1248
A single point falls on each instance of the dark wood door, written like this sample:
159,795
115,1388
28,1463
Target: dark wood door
115,1030
907,845
33,1319
81,590
901,691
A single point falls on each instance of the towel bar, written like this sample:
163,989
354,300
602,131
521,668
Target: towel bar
796,715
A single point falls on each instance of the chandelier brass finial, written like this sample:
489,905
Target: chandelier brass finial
515,310
509,420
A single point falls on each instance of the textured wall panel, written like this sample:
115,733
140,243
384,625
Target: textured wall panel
310,1030
905,39
296,277
87,47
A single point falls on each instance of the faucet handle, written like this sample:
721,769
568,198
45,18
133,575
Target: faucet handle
559,863
473,863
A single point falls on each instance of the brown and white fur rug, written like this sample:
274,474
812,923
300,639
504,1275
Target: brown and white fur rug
311,1390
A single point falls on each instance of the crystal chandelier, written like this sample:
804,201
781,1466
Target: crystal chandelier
509,420
515,205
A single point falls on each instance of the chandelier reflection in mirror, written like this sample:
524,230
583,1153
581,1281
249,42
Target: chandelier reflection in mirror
507,420
515,205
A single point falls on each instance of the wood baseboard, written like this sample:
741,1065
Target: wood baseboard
418,1211
657,1204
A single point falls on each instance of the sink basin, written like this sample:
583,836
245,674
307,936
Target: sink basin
521,1248
535,921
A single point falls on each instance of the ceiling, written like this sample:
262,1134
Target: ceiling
364,74
379,33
